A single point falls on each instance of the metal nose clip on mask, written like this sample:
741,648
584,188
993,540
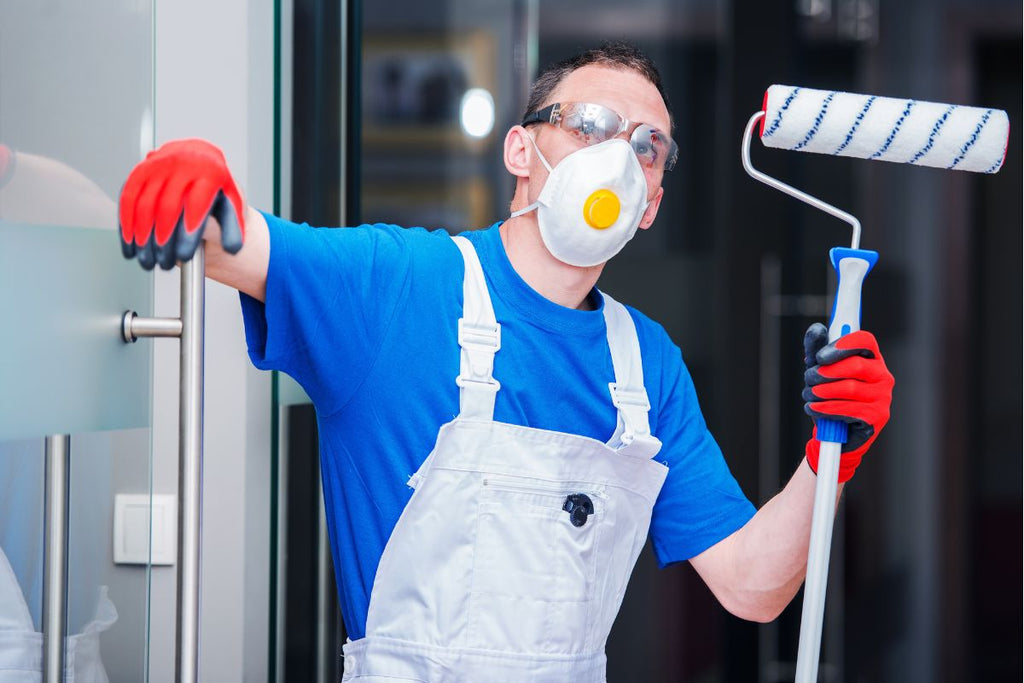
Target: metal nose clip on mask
591,204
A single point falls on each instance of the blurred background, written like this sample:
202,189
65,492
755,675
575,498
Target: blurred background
339,112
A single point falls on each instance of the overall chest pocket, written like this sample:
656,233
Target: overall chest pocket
536,559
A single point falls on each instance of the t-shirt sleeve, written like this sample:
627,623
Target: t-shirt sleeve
331,294
701,503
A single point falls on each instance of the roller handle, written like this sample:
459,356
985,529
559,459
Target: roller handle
852,266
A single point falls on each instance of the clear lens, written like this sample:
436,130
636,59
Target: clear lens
653,148
592,124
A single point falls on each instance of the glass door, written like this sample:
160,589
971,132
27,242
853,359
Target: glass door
76,103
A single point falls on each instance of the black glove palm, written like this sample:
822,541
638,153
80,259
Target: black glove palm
846,380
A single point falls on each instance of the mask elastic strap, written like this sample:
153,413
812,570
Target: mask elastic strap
531,207
540,153
525,209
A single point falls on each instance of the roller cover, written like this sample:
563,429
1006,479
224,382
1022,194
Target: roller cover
885,128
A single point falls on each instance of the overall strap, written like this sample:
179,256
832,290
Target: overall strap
633,430
479,339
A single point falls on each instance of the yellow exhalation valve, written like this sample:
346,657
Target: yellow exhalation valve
601,209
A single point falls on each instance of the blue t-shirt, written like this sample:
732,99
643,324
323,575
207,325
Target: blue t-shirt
365,319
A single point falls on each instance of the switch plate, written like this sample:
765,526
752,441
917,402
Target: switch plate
132,529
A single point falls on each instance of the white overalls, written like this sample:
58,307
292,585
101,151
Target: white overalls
511,559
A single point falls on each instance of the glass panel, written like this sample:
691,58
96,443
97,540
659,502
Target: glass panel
73,121
64,365
76,102
289,393
21,531
105,598
107,604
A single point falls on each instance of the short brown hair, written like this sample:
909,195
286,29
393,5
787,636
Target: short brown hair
616,54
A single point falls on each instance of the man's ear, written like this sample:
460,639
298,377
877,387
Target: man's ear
652,209
518,152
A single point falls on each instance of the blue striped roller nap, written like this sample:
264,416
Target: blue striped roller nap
885,128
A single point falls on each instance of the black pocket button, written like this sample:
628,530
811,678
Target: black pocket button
579,506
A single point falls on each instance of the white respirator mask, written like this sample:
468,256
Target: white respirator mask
591,204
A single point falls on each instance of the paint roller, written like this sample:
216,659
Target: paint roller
867,127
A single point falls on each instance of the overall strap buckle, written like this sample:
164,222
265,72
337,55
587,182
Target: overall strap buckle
479,344
486,337
633,405
477,386
621,396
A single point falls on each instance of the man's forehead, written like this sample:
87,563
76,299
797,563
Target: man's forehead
624,90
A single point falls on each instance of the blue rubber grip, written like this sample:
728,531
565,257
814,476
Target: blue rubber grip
835,431
852,266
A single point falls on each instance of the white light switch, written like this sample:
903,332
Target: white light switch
132,529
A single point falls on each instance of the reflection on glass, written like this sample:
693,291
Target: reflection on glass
21,535
43,191
75,95
107,604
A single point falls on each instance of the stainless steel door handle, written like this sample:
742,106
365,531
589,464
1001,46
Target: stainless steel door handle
189,328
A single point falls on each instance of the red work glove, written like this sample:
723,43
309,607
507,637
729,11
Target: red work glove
846,380
167,198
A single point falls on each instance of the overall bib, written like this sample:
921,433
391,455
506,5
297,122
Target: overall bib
510,561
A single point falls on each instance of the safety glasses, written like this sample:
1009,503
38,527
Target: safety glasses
592,124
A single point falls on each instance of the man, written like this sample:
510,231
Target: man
576,429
